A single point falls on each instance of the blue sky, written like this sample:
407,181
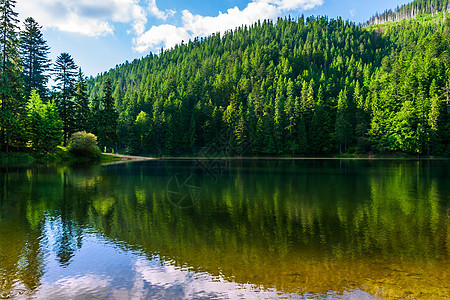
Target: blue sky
103,33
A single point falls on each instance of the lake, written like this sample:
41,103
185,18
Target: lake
239,229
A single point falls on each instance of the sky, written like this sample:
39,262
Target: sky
101,34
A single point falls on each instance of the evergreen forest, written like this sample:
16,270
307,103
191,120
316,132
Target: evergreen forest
292,87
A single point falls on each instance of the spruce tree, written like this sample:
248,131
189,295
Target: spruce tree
279,118
95,118
82,110
318,134
291,118
108,127
302,137
34,52
343,128
434,118
65,76
362,118
53,125
11,101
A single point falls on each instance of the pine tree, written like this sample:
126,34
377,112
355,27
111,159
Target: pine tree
302,137
343,129
434,118
292,114
279,118
108,128
319,135
95,119
11,101
65,77
241,135
34,52
362,118
82,110
53,128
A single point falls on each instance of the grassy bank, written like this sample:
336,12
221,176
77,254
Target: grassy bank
61,156
16,158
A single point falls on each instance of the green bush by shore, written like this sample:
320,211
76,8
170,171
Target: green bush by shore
83,144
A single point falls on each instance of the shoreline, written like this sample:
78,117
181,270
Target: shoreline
132,158
126,158
110,158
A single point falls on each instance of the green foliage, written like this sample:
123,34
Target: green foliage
43,125
84,144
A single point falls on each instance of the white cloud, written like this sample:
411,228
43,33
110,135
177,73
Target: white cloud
286,5
155,11
353,12
196,25
160,35
73,286
234,17
97,18
87,17
168,278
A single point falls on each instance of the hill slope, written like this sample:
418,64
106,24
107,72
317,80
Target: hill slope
297,87
413,10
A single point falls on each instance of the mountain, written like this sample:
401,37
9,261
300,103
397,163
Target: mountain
313,86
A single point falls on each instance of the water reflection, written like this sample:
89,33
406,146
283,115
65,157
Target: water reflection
262,229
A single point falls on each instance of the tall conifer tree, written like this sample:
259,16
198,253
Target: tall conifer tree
34,52
65,77
11,100
343,128
108,128
82,110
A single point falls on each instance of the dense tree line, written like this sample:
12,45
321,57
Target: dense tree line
410,11
31,115
294,87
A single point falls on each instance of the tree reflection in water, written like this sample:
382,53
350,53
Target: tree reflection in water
304,227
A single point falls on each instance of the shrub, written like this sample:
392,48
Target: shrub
84,144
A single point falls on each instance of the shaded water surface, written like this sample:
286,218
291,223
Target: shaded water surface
227,230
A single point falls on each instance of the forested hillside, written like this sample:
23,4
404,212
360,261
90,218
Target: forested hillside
310,86
412,10
294,87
